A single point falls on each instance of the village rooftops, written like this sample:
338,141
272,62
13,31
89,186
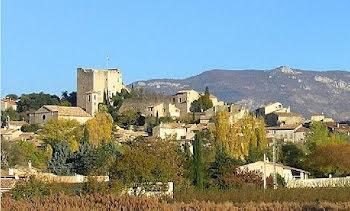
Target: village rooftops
285,127
172,125
268,104
185,91
302,129
287,114
67,111
17,123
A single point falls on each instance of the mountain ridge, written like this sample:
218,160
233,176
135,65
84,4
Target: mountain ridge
306,91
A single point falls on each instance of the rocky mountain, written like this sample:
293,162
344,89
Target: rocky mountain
304,91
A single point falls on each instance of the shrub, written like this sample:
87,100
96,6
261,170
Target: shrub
30,128
29,189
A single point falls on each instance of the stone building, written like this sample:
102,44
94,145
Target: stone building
270,108
236,113
283,118
294,133
96,86
287,172
320,118
183,100
47,112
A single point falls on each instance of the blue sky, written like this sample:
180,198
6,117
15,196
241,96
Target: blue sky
43,42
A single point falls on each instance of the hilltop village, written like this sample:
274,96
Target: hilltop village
104,111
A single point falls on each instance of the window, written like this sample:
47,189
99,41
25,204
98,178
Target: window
94,97
89,98
174,99
150,108
44,117
180,100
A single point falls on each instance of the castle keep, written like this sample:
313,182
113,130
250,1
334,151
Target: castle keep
96,86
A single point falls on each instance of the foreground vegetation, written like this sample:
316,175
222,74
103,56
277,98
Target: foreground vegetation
112,202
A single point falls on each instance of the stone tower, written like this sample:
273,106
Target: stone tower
97,86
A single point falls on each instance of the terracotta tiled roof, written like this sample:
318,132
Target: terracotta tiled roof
67,111
7,183
287,114
172,125
302,129
4,173
17,123
284,127
9,101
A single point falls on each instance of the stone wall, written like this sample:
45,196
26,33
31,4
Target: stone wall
319,183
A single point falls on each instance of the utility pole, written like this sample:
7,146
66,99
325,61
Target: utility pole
274,164
264,173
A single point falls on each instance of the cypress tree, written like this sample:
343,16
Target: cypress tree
198,161
207,93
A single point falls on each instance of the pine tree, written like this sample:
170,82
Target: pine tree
61,162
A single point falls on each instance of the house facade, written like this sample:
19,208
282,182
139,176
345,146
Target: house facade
183,100
294,133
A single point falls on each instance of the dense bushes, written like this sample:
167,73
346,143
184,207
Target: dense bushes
87,160
30,128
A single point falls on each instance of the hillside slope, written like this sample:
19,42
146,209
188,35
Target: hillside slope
305,91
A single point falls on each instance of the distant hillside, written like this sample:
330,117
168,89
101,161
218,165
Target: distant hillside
304,91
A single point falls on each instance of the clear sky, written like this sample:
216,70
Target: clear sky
44,41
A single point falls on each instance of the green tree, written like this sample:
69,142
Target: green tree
37,156
12,114
320,135
29,189
207,93
11,96
33,101
30,128
128,117
62,160
84,159
69,99
11,154
293,155
198,161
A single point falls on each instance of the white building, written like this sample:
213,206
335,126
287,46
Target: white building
286,172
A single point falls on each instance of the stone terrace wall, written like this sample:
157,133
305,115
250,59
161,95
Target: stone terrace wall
139,104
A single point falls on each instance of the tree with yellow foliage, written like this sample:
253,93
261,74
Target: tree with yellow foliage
99,128
58,130
238,138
